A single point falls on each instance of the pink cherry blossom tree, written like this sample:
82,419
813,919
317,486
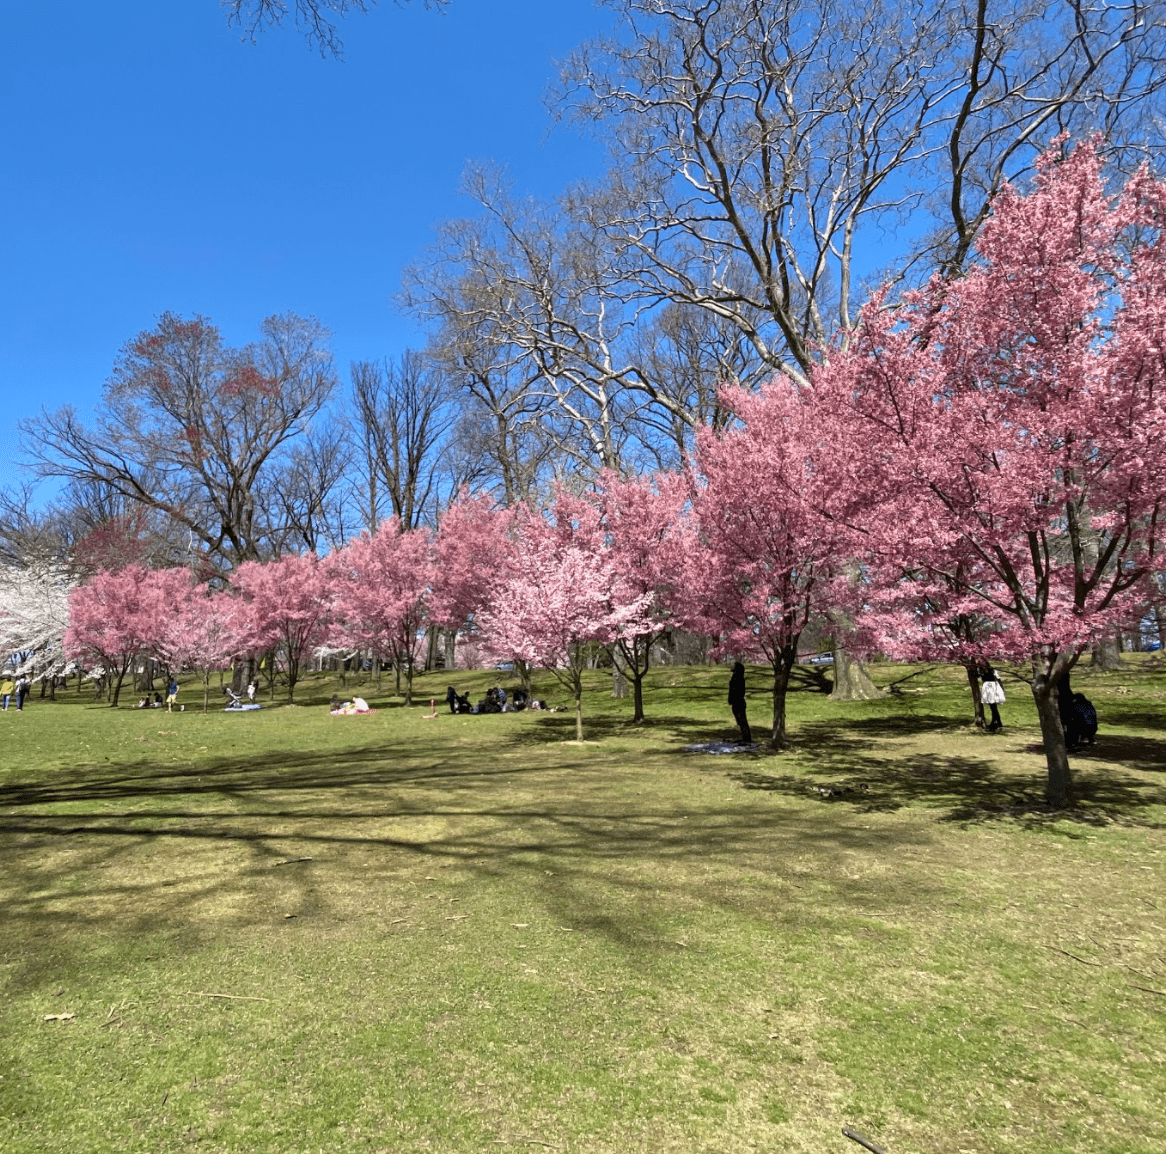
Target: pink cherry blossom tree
564,593
201,631
769,548
641,518
284,609
380,586
1017,418
471,553
113,618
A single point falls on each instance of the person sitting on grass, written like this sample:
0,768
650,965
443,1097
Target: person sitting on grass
356,705
1082,727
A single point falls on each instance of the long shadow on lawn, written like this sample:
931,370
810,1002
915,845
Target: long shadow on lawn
317,825
850,769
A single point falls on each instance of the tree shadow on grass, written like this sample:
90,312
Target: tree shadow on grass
553,728
231,843
848,768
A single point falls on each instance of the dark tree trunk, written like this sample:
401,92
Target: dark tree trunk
1059,789
636,661
973,673
450,648
851,680
782,667
117,688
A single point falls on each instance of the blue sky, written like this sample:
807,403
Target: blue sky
155,162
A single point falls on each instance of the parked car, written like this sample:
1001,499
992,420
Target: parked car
819,659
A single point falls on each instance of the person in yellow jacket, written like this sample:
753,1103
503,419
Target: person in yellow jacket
7,688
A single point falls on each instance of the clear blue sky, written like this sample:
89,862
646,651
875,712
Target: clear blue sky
154,162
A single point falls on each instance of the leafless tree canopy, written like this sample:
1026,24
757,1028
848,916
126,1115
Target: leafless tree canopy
199,432
772,160
769,149
403,412
314,18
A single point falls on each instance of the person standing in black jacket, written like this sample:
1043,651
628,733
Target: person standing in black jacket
737,702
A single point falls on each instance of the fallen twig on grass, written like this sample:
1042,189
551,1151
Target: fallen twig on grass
1147,990
233,997
855,1136
1083,961
292,860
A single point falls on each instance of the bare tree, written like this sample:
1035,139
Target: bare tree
197,431
767,149
506,415
544,292
688,353
307,502
314,18
403,413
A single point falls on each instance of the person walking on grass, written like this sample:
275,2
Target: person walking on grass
737,702
992,695
171,695
23,685
7,688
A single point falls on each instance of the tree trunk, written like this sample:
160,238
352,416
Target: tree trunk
578,715
974,682
782,667
637,696
450,648
1106,653
851,680
619,682
1059,790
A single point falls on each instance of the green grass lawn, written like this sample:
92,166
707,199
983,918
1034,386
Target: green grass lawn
284,931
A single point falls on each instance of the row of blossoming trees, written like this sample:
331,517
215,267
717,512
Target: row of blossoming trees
975,474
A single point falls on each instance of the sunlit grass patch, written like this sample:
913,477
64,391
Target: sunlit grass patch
287,931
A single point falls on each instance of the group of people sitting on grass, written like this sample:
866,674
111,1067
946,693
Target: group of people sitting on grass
348,708
156,702
497,700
